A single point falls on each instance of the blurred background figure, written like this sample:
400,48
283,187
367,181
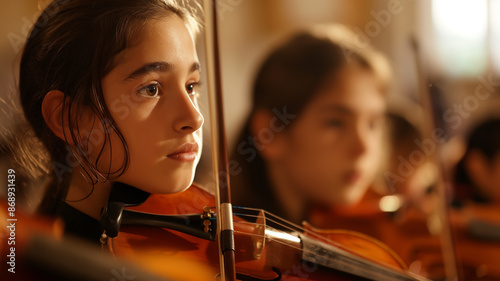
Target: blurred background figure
400,207
315,133
475,212
318,147
477,176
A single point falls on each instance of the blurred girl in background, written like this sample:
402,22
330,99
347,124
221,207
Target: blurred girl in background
315,132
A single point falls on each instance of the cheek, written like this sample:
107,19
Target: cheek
314,158
303,149
375,143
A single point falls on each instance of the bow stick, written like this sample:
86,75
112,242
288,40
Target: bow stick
225,230
429,123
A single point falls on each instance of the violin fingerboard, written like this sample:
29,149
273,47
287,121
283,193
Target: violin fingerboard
332,257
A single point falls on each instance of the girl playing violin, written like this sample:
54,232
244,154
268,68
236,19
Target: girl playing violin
110,89
314,135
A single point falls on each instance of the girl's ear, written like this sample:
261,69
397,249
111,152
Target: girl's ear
268,134
54,112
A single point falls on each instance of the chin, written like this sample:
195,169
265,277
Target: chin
355,195
177,181
164,186
173,187
347,197
183,187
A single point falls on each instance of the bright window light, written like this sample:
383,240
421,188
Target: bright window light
461,30
495,33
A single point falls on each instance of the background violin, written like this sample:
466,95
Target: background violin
410,232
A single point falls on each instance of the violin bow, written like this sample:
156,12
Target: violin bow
225,229
429,123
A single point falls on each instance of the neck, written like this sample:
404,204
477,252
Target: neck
86,198
292,202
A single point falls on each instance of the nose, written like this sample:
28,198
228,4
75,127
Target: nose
359,144
188,118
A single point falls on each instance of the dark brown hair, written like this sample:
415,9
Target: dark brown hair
485,139
71,48
288,79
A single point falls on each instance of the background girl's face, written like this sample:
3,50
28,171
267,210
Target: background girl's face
484,173
333,148
151,95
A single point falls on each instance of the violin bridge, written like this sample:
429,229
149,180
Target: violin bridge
259,235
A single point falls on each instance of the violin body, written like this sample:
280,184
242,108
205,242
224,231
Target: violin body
258,255
180,246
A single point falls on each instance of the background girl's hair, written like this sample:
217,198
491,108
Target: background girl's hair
484,138
71,48
294,72
290,77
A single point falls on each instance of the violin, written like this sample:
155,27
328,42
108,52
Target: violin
267,247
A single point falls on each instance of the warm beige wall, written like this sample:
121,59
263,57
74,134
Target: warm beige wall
251,27
15,18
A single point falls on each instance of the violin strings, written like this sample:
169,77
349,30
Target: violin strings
270,217
282,223
272,239
270,214
322,239
280,231
286,227
342,262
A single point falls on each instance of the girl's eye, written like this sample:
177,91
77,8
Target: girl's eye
334,123
190,88
150,91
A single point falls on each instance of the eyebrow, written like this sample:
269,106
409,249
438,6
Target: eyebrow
159,66
336,108
346,110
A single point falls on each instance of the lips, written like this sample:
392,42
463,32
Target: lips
352,176
186,152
